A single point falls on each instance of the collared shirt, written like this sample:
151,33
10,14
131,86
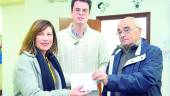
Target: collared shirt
78,34
127,54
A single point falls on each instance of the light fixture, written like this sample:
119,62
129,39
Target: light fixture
52,1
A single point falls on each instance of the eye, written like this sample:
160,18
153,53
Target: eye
77,9
126,29
119,31
85,10
50,34
40,33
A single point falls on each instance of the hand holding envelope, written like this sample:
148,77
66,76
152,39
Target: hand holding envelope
100,76
77,92
83,79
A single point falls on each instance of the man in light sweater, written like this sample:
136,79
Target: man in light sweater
80,48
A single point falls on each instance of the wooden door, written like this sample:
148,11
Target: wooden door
65,22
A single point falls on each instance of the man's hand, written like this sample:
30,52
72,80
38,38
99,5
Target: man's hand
100,76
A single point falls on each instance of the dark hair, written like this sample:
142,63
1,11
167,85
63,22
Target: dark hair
89,2
29,41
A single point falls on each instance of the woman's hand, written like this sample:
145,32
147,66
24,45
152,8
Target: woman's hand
77,92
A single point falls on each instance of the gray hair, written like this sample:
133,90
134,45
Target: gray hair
136,22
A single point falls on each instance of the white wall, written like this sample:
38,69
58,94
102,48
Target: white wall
0,20
42,9
17,19
13,30
0,41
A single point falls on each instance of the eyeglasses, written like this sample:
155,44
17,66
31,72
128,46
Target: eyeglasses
126,30
80,11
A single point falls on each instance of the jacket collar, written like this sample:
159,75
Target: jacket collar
28,54
140,54
34,60
142,44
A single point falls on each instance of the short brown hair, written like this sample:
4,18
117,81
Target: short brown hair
29,41
89,2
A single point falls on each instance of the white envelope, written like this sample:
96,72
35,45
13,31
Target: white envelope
83,79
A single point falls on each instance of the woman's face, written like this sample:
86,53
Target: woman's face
44,40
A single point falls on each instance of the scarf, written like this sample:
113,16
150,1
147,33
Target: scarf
47,79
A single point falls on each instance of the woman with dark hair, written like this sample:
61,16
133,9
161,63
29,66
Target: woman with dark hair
38,72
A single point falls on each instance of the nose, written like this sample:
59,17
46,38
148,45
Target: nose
122,34
81,12
45,37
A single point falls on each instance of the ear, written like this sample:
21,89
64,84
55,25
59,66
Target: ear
139,31
71,13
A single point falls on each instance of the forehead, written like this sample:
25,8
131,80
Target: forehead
81,4
126,23
47,29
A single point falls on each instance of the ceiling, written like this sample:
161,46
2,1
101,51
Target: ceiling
9,2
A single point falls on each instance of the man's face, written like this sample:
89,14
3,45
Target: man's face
128,32
80,12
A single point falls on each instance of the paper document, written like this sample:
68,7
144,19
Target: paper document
85,79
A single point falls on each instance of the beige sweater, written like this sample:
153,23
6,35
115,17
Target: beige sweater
81,55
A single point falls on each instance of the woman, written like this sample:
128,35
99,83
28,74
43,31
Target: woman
37,72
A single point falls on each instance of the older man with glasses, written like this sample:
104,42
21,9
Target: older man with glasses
136,66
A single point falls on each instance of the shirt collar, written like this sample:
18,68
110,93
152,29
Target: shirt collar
78,34
133,47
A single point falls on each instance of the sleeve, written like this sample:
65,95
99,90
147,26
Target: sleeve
60,56
149,75
26,80
104,92
103,54
58,53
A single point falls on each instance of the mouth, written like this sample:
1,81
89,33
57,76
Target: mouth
44,44
80,18
124,40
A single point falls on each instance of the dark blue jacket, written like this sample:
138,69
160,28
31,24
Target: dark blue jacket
141,75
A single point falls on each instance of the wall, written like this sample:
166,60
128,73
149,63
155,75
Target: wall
13,31
42,9
18,18
0,43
